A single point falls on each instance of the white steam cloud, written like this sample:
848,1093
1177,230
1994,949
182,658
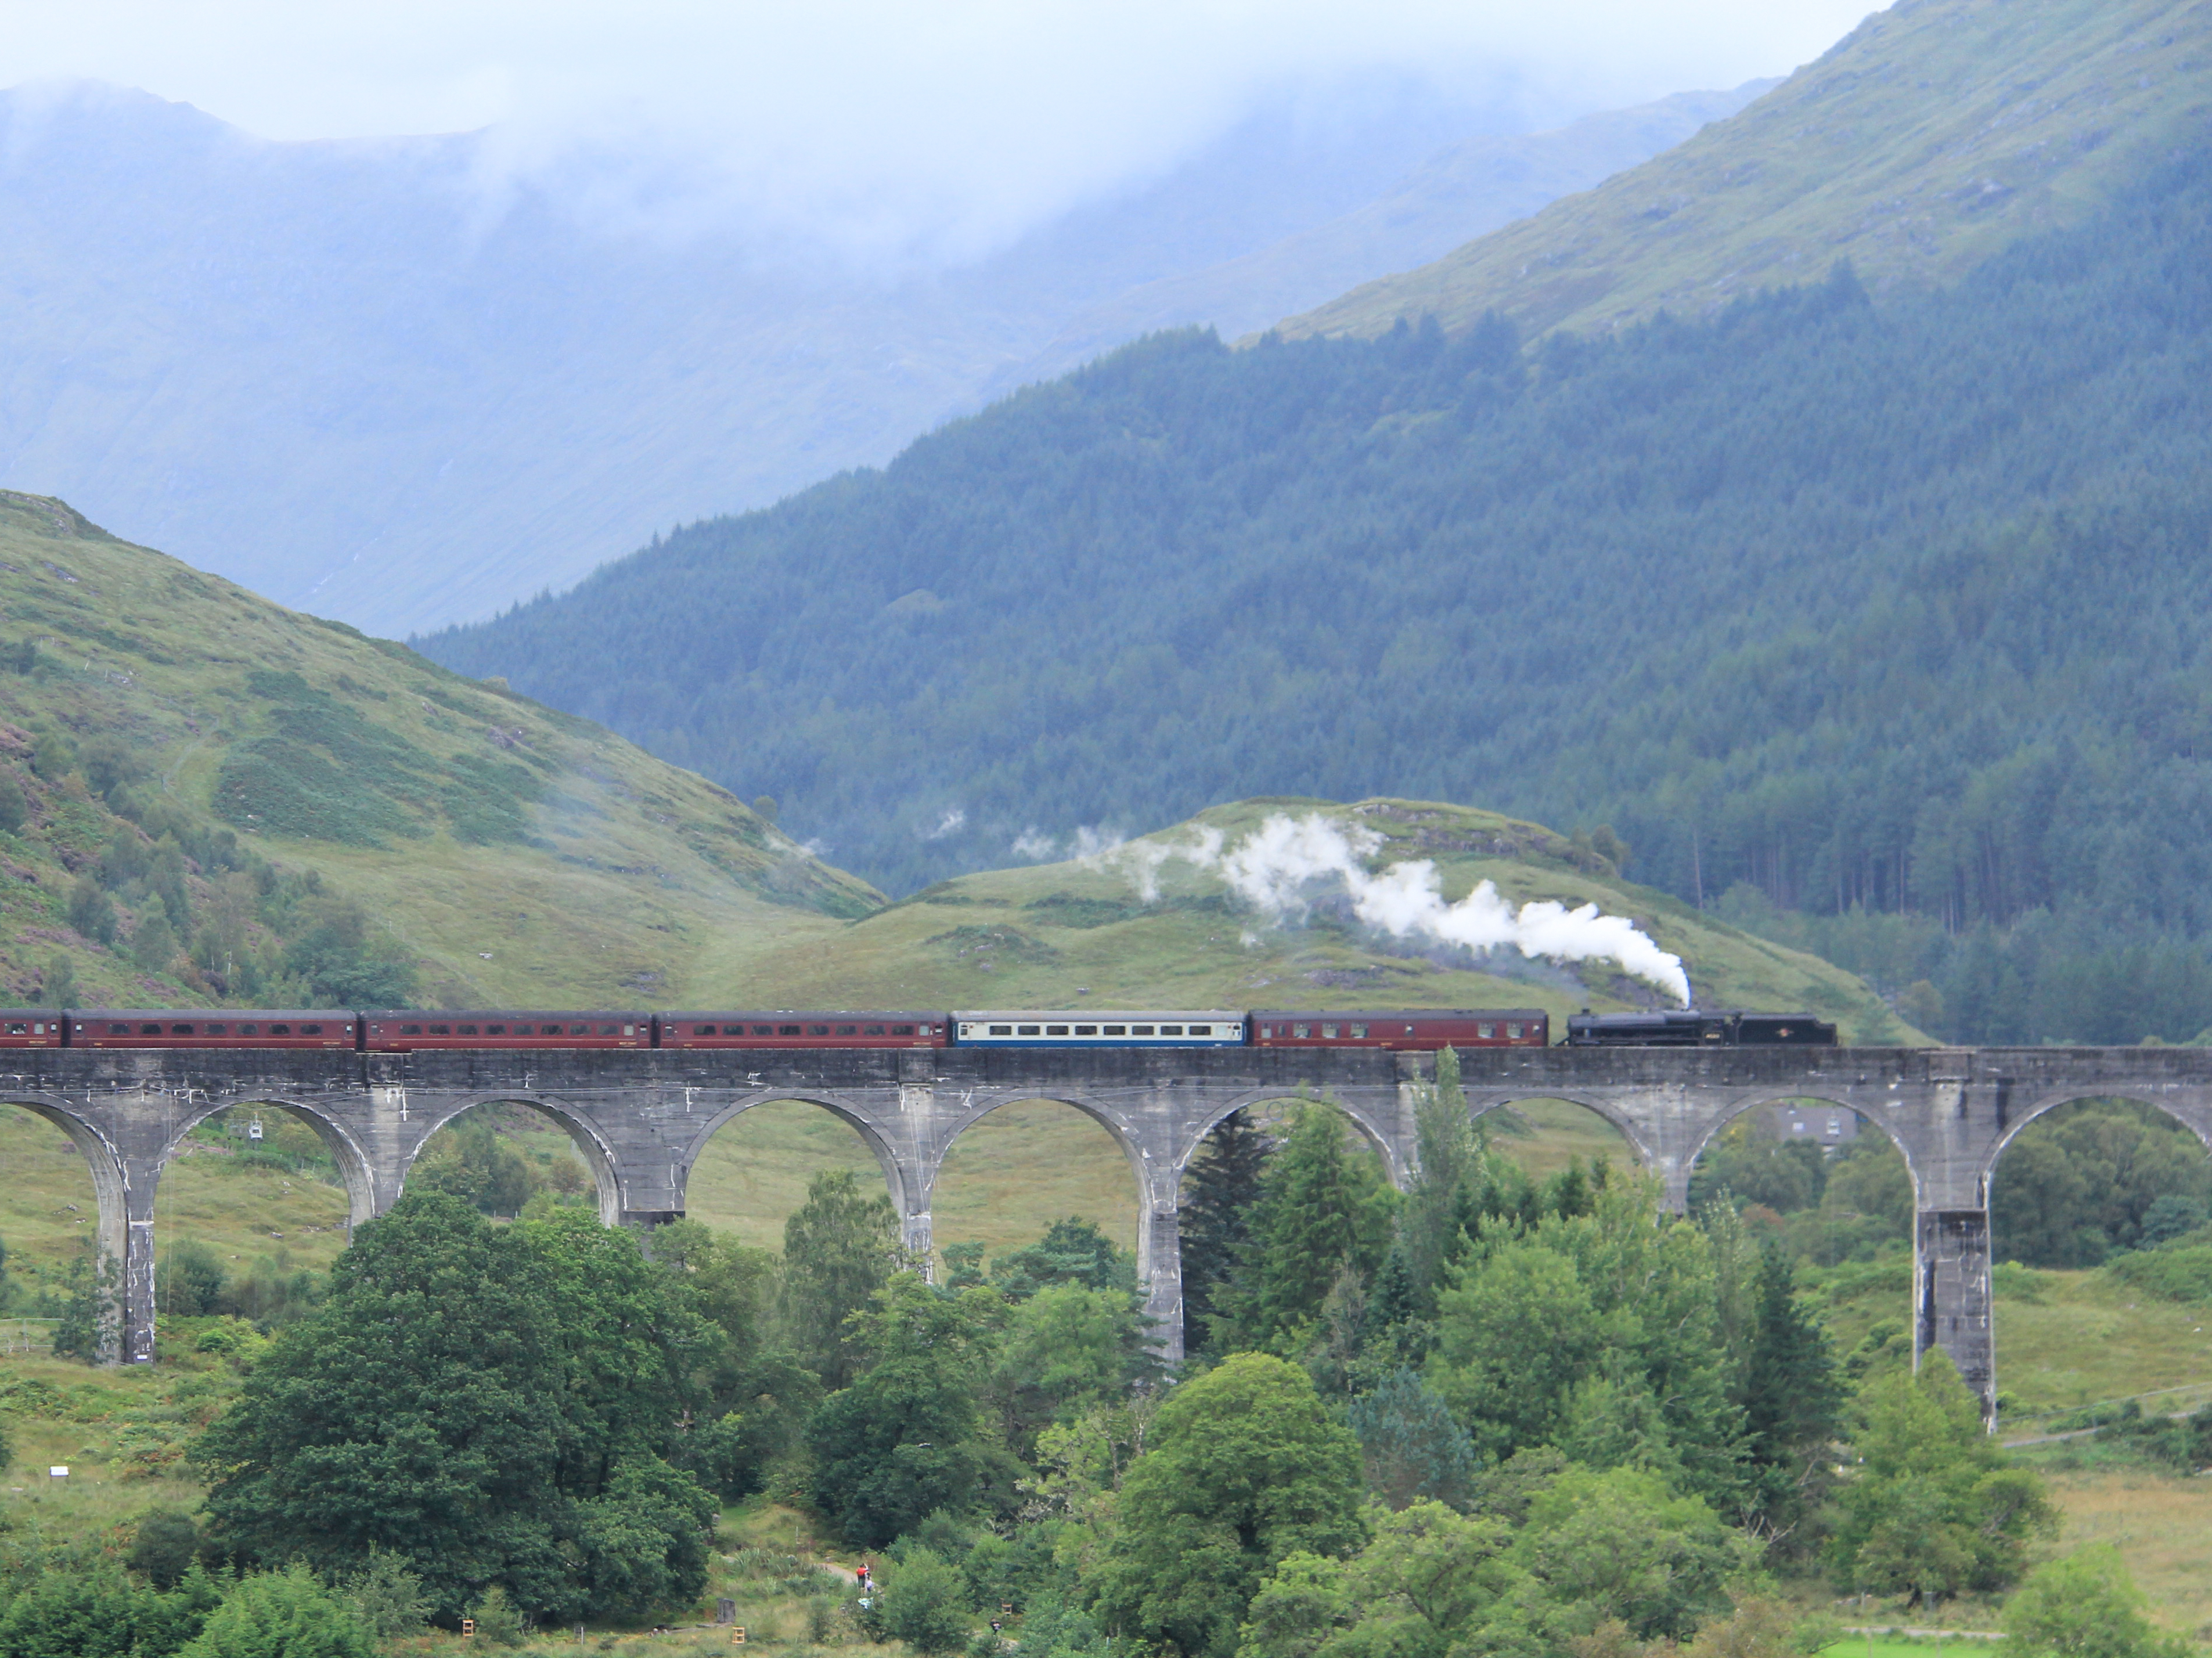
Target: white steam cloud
1087,845
1276,868
953,821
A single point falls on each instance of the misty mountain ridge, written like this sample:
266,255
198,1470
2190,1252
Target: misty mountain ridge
343,374
1935,134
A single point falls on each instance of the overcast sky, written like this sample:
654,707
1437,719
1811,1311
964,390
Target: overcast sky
957,121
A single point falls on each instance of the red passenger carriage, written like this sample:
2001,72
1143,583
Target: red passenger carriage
790,1029
1416,1029
405,1031
30,1027
211,1027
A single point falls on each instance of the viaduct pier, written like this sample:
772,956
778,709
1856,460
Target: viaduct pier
641,1118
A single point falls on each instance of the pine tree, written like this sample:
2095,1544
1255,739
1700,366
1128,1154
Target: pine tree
1450,1164
1219,1191
1792,1397
1322,1209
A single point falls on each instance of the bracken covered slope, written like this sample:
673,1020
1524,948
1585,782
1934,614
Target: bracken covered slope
1937,132
501,852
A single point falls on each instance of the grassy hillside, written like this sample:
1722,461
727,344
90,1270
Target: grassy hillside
1935,134
499,851
1084,929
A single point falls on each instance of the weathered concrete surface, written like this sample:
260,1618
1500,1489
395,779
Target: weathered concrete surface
640,1120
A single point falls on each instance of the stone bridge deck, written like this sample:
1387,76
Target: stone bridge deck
641,1117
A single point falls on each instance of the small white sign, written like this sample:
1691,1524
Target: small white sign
58,1473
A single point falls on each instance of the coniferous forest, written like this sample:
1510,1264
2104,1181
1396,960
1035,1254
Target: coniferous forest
1868,618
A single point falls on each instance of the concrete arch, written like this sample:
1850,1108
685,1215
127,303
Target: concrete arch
1397,1163
115,1212
355,1167
1596,1104
870,1134
1737,1107
599,1153
1123,1133
2194,1114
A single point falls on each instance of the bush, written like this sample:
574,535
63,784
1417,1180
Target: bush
164,1548
925,1604
498,1622
91,912
288,1614
2083,1607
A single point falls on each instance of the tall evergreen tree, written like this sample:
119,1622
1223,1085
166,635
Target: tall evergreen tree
1322,1209
1792,1396
1450,1164
1218,1192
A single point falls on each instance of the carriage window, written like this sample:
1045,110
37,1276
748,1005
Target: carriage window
218,1030
549,1030
18,1028
119,1030
629,1030
466,1030
580,1031
1201,1031
1114,1030
1028,1031
1268,1031
249,1030
817,1030
789,1030
310,1030
1302,1030
441,1030
702,1030
1140,1030
1485,1032
1087,1030
494,1030
1512,1031
1055,1031
899,1029
1359,1031
280,1030
1328,1030
1170,1030
181,1031
150,1029
410,1029
873,1030
764,1030
1002,1030
848,1030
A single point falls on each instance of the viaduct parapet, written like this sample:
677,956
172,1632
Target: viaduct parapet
642,1118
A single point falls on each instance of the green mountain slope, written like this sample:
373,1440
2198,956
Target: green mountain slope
312,811
1935,134
1468,190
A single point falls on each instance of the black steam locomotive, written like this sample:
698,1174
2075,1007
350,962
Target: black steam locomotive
1692,1028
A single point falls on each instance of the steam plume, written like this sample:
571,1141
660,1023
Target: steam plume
1275,868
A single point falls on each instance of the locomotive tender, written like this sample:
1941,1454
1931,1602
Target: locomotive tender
403,1031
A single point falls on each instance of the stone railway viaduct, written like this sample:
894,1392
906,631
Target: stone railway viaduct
642,1118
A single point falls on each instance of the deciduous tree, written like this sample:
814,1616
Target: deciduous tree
1246,1467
